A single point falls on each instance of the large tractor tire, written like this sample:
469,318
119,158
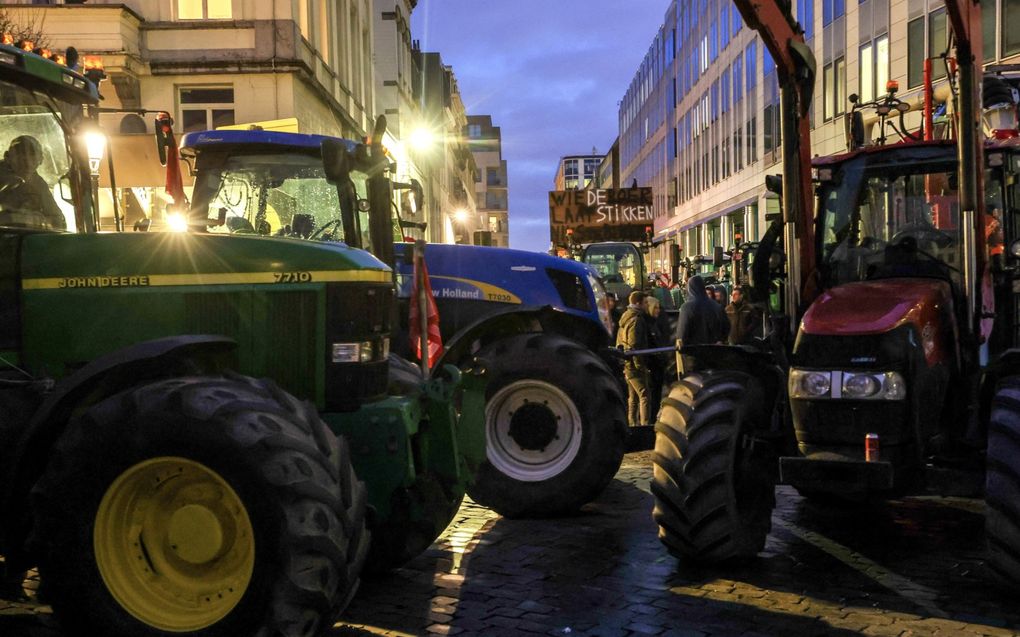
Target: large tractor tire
713,481
1002,482
555,427
201,506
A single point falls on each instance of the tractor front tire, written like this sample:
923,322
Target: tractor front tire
209,506
1002,482
713,480
555,427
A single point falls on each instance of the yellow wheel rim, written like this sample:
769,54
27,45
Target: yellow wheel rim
174,544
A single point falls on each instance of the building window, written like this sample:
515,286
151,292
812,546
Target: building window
206,108
937,40
915,52
874,64
492,177
474,131
832,9
204,9
827,92
1010,37
806,16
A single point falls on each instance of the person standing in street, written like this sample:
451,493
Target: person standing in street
633,334
741,316
656,362
702,320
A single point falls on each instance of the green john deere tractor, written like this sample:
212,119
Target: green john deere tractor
157,485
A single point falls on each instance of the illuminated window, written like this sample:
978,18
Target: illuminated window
204,10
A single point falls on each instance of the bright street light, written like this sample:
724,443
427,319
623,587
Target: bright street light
461,215
422,138
95,146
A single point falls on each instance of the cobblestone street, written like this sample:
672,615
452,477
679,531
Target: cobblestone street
912,568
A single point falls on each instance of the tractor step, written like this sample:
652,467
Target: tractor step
831,475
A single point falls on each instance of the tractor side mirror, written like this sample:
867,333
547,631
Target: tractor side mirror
336,161
164,135
717,257
774,184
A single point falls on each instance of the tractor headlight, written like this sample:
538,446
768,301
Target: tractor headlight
810,384
346,352
894,387
860,386
354,352
847,385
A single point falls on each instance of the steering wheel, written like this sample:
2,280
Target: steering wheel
905,242
924,233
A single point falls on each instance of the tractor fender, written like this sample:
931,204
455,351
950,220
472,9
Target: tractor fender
520,320
102,377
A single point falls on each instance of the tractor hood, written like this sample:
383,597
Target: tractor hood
872,307
171,259
877,307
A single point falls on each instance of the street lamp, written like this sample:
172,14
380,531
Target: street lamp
422,139
461,216
95,147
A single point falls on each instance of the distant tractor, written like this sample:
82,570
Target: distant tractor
156,484
554,420
904,376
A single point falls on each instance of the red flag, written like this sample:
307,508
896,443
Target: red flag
435,340
168,151
174,180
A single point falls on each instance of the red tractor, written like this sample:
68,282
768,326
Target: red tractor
895,368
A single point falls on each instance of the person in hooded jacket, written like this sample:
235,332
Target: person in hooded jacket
633,334
702,320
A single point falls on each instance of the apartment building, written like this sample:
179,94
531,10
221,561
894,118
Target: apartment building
304,65
448,163
700,119
577,171
486,144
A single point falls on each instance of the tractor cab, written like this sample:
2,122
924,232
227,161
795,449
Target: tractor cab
271,183
43,163
620,265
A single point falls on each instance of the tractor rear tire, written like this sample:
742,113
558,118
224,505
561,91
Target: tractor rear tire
555,427
210,506
1002,482
713,481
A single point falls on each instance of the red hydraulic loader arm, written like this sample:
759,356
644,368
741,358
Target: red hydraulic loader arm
965,19
796,67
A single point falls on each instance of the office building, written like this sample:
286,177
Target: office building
700,120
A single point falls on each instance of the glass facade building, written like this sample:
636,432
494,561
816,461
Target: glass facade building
699,122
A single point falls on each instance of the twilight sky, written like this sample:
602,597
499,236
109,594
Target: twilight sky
550,72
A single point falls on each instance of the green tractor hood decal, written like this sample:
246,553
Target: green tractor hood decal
167,259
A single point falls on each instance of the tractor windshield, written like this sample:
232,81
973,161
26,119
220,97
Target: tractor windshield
615,262
34,159
273,193
890,221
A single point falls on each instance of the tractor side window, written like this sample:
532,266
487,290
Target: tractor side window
33,162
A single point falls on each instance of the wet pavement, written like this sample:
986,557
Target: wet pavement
912,567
